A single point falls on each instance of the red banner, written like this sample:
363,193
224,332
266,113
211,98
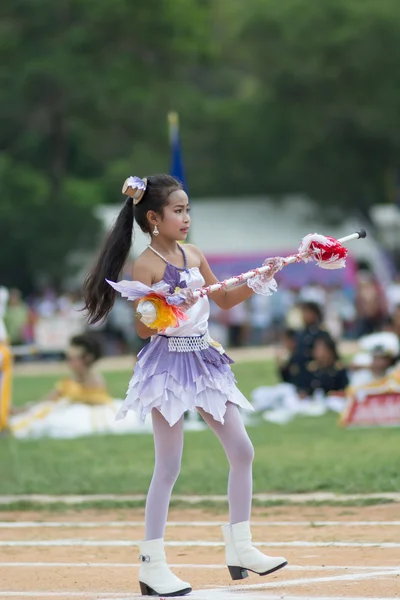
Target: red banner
373,409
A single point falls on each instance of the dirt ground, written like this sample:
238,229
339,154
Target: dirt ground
332,552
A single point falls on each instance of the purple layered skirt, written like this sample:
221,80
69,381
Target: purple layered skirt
174,382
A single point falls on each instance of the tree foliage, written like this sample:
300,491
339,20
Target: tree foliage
274,97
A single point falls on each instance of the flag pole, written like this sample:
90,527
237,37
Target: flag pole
176,167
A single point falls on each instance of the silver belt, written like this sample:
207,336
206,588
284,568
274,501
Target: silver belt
187,343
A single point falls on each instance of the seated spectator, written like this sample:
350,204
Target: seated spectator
312,329
78,405
309,388
384,380
290,368
379,353
383,360
326,372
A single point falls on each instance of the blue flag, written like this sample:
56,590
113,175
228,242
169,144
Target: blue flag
176,169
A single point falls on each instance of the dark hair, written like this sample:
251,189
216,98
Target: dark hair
329,343
89,344
290,333
98,295
313,307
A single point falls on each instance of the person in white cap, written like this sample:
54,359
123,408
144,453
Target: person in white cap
5,365
384,348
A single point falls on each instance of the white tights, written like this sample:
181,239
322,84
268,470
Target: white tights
168,444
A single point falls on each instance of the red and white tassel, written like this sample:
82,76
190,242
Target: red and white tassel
327,252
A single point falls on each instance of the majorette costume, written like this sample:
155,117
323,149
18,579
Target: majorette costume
183,368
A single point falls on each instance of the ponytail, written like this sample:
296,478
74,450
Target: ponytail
98,295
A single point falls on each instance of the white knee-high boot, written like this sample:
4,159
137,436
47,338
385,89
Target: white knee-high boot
241,556
155,578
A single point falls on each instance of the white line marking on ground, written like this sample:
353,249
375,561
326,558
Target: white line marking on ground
230,595
212,594
194,544
312,580
88,565
219,595
123,524
99,595
194,499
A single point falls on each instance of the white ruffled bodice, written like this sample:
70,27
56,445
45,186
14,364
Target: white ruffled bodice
183,368
197,324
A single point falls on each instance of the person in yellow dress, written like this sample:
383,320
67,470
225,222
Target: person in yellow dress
86,385
78,405
5,366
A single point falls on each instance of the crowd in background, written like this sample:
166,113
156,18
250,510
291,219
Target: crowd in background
347,314
304,326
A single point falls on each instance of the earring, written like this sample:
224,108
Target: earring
155,230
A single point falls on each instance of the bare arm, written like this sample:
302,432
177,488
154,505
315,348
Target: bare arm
142,273
225,299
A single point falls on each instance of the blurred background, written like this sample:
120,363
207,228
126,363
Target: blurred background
281,118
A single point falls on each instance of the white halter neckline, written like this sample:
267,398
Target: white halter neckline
184,268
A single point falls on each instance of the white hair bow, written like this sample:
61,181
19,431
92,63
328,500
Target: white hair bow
135,188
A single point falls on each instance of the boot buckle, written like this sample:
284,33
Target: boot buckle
144,558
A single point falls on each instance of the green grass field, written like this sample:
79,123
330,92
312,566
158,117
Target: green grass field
309,454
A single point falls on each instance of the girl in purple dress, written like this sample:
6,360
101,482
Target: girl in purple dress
181,369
